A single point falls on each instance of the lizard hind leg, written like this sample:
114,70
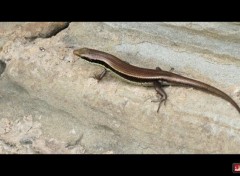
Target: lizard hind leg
161,92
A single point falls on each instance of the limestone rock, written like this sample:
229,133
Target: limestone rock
73,113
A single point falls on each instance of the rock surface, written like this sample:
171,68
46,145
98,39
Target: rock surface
50,103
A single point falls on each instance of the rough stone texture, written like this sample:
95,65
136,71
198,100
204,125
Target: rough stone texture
29,30
49,102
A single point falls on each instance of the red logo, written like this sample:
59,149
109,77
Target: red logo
236,167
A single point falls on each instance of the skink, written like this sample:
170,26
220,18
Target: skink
155,77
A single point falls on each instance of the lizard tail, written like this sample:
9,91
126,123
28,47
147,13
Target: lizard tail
205,87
